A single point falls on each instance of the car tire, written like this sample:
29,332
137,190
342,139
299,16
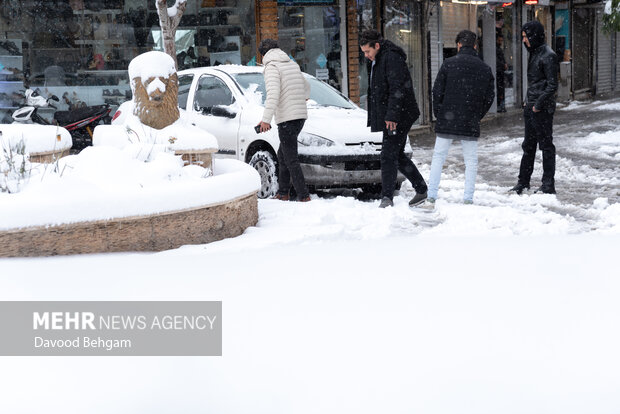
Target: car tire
371,189
265,163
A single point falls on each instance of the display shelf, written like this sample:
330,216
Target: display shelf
204,9
99,42
92,12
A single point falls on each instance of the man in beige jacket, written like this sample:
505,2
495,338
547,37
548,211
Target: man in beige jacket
287,92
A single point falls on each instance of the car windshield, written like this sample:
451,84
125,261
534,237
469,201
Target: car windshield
321,93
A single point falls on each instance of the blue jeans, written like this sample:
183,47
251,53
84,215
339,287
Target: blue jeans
470,155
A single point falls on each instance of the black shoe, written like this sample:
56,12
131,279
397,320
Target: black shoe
546,189
418,199
519,188
386,202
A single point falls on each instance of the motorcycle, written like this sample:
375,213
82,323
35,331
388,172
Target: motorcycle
80,122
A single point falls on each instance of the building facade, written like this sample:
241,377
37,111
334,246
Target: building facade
79,49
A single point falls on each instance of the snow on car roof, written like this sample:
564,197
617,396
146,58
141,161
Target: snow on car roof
230,69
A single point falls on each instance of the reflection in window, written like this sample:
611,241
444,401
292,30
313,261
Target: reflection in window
212,91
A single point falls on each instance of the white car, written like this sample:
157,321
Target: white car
336,148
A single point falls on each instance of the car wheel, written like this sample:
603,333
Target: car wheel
371,189
265,163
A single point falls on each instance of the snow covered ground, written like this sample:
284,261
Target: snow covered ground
509,305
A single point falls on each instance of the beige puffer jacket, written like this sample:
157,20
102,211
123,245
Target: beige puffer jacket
287,88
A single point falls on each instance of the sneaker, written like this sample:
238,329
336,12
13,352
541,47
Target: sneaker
418,199
546,189
305,199
281,197
519,188
468,201
428,204
386,202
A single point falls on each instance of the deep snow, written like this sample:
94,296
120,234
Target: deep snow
335,306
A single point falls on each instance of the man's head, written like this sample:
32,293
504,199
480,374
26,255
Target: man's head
533,34
266,45
499,40
370,43
466,38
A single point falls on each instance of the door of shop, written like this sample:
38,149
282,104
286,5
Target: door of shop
583,46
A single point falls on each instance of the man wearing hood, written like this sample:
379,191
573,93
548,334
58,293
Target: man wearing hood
287,92
392,109
542,81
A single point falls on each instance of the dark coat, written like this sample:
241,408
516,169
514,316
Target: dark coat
542,79
462,94
542,70
390,90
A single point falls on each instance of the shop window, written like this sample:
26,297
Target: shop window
310,35
80,49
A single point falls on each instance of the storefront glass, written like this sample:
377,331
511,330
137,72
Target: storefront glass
508,44
311,36
79,50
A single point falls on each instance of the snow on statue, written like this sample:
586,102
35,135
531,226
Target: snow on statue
155,88
151,122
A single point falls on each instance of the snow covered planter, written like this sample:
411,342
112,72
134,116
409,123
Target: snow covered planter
23,145
43,143
194,145
105,200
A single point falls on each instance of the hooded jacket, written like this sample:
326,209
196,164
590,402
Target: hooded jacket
462,94
287,88
542,70
390,89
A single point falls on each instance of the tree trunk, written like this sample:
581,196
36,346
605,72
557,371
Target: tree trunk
169,25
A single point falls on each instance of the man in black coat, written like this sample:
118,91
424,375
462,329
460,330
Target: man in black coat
392,109
542,82
462,94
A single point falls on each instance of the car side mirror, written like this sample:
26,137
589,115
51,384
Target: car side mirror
223,112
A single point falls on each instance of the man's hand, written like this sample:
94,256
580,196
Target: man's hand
264,127
534,109
390,125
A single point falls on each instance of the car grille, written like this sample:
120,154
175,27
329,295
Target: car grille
362,165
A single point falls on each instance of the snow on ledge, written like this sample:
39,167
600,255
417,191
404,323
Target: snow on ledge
103,183
38,138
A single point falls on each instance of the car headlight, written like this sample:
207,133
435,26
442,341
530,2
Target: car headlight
311,140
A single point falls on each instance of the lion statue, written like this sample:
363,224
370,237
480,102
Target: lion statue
155,87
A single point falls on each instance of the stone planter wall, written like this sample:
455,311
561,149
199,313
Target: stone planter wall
145,233
202,158
48,157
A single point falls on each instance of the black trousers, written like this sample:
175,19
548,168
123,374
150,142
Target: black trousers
538,131
501,89
393,159
288,159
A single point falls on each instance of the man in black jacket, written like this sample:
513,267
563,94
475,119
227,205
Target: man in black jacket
542,81
392,108
462,94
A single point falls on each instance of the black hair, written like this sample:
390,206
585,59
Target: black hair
370,38
466,38
266,45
